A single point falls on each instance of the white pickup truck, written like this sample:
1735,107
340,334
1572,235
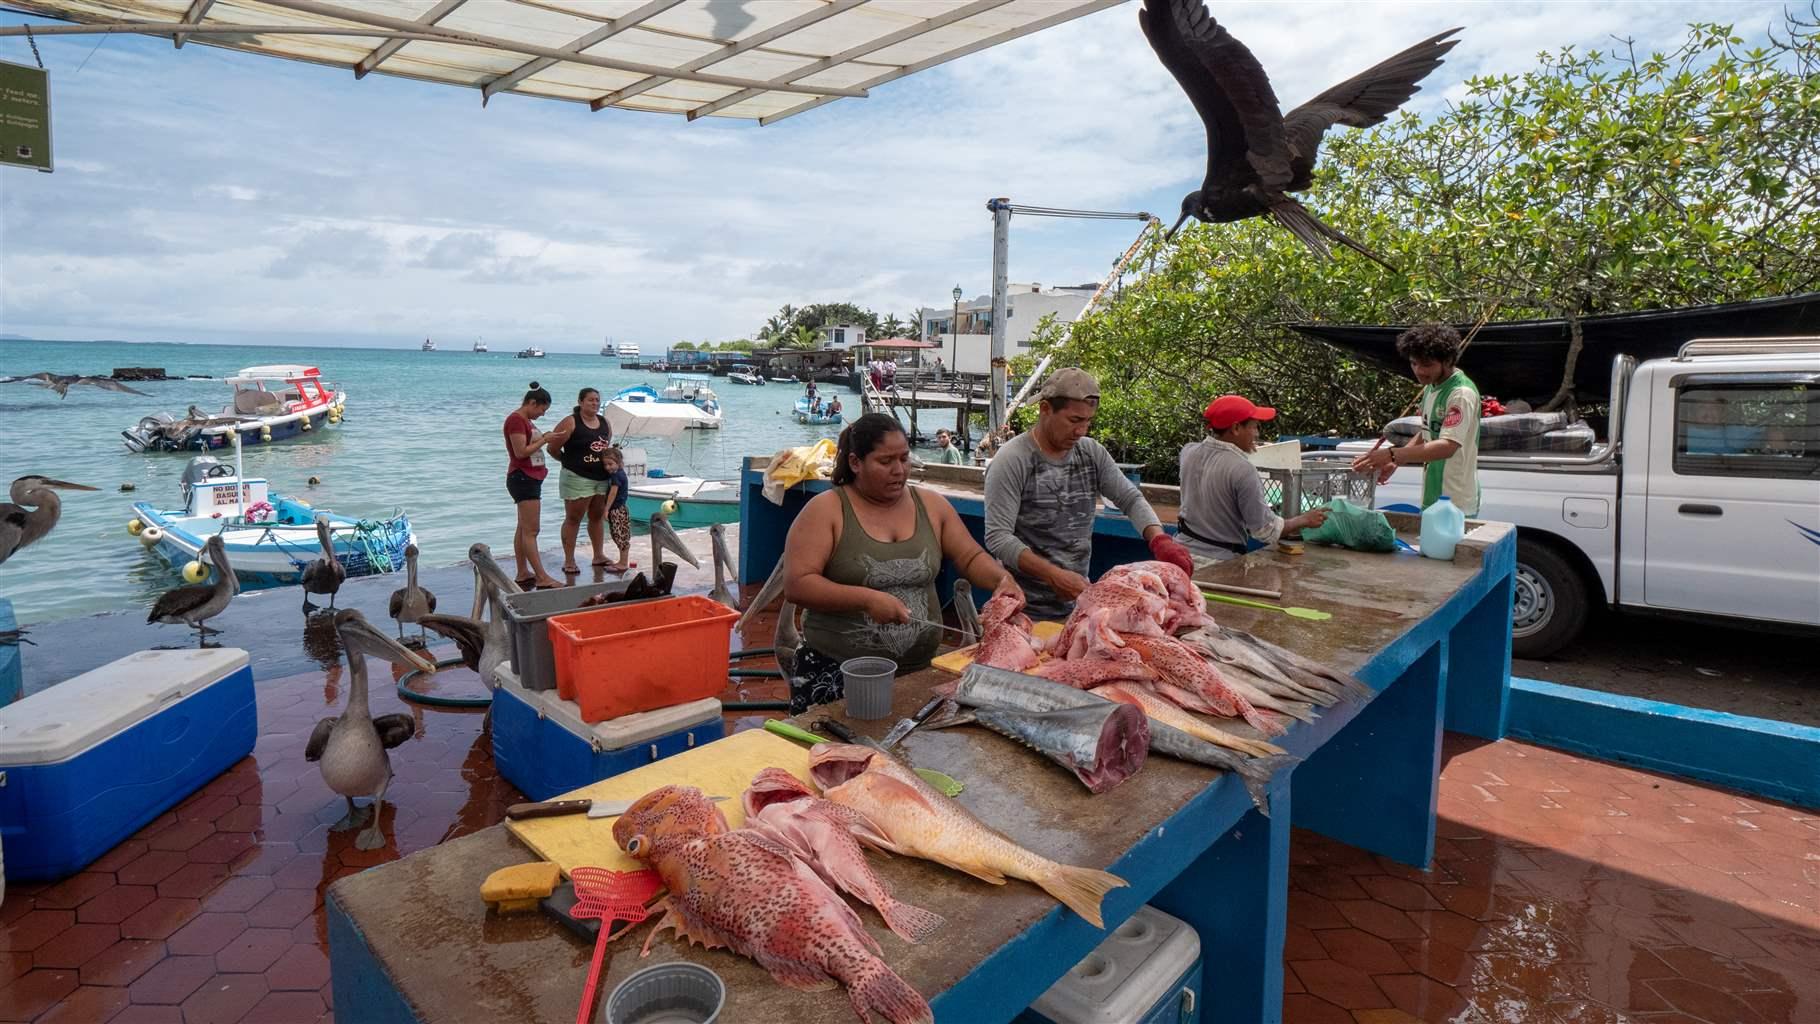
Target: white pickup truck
1704,501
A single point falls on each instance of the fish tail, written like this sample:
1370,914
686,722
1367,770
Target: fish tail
875,989
1256,772
1080,889
912,924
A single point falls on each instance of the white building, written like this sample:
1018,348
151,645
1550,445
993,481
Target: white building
842,336
969,349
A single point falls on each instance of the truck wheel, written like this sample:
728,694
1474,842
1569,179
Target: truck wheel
1550,602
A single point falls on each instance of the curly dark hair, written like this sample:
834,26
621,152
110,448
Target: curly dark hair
859,439
1431,343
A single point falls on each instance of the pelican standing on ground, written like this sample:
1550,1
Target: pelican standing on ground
723,567
325,574
352,747
483,642
410,602
195,604
19,525
665,538
771,591
61,383
1255,154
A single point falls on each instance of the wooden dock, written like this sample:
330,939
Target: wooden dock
952,398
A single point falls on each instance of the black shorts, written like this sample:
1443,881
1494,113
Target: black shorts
523,487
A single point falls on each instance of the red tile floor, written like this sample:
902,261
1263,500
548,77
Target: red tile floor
1565,891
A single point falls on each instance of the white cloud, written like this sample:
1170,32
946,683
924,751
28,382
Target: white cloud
226,193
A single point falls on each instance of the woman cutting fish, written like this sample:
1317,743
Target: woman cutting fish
862,558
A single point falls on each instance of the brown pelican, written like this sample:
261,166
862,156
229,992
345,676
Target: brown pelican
325,574
965,611
20,525
483,643
352,747
410,602
665,538
771,591
723,567
195,604
1255,154
61,383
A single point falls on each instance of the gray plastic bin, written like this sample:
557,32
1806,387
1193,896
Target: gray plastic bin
526,617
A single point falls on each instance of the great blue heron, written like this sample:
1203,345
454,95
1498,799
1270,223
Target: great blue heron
1256,154
410,602
325,574
61,383
20,525
351,748
197,603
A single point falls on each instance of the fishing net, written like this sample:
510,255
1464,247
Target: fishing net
1349,526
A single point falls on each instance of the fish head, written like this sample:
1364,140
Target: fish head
831,764
773,786
670,812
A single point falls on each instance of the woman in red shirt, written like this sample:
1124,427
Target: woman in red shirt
524,482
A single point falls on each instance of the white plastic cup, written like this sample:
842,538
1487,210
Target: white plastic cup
868,685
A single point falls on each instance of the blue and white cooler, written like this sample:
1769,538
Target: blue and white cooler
1148,971
90,761
541,745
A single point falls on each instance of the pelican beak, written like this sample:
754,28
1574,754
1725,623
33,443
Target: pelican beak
770,592
358,635
721,554
488,574
1167,235
666,538
66,485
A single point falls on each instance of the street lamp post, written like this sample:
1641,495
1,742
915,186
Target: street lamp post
954,332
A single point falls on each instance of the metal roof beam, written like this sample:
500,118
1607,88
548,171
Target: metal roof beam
372,60
605,32
890,39
728,50
199,9
1091,7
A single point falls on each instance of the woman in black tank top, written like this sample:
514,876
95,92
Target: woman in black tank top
578,442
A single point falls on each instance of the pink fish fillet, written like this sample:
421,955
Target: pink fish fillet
1187,605
1086,673
1180,665
822,834
1005,638
1129,608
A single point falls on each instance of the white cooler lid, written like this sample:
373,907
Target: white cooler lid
58,723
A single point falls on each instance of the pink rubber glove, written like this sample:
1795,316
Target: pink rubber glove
1165,548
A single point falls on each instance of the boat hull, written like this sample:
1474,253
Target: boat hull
690,512
253,430
273,554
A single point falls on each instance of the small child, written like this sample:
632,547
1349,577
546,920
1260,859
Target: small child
619,519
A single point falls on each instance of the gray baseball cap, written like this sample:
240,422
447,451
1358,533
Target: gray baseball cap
1073,383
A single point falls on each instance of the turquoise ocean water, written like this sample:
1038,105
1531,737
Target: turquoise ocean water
422,433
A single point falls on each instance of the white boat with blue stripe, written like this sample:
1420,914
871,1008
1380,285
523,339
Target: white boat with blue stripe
269,537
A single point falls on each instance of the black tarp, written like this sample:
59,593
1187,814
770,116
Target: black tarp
1525,358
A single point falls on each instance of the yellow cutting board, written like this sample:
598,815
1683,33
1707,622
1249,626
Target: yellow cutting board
958,660
722,768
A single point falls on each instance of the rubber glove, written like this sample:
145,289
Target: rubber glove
1165,548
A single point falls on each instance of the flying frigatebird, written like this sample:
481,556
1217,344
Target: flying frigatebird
61,383
1255,154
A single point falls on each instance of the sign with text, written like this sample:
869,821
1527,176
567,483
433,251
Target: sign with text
25,116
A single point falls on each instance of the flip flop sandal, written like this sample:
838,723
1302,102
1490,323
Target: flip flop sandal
526,582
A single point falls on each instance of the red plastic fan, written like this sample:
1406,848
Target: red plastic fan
610,896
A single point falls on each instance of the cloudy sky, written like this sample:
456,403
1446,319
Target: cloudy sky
202,195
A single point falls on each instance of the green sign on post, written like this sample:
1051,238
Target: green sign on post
25,116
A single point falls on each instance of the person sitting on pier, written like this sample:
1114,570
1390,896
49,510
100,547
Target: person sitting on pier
945,452
1223,503
863,557
1043,489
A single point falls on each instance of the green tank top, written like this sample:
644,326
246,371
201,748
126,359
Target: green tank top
906,570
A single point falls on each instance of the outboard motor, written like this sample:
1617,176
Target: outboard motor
200,469
146,432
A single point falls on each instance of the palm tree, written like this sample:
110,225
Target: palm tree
891,326
800,337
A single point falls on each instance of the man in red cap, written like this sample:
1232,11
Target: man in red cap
1223,503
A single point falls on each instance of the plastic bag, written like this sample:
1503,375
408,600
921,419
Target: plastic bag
1349,526
794,465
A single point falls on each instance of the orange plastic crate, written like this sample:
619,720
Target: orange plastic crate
620,659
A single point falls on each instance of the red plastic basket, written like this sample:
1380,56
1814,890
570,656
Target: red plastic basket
620,659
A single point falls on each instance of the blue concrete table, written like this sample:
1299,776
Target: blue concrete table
1431,637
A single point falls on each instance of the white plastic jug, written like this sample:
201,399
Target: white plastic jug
1443,524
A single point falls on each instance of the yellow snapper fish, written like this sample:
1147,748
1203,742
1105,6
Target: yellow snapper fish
918,821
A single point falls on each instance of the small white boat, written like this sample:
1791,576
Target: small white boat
805,412
271,403
479,346
269,537
745,373
695,390
428,345
531,353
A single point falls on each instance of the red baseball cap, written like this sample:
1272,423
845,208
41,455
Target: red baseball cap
1230,410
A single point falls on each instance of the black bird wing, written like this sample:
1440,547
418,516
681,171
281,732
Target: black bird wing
394,729
468,634
1229,89
319,739
110,384
61,385
1361,101
173,603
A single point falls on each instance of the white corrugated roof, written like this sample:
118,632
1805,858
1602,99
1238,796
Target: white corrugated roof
756,59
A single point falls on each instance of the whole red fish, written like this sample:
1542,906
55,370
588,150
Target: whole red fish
821,834
739,890
1179,665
